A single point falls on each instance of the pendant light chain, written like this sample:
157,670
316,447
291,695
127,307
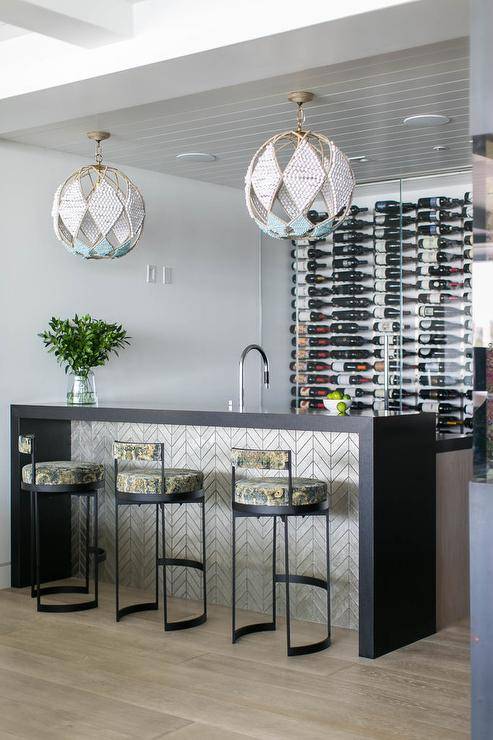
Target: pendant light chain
300,118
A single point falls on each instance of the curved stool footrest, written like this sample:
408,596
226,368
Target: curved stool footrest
247,629
181,561
307,580
183,624
47,590
80,607
133,608
313,647
99,552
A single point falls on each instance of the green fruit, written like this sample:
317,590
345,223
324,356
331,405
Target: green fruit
332,395
348,398
341,407
339,395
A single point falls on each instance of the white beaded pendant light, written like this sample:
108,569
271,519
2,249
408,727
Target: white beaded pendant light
296,176
98,212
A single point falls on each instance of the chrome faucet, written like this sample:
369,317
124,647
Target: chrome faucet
242,370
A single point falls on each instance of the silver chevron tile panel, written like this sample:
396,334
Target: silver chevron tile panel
332,457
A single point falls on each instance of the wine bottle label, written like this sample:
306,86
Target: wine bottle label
430,406
386,326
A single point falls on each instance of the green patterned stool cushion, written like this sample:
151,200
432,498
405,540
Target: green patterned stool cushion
143,451
177,480
63,472
264,459
274,491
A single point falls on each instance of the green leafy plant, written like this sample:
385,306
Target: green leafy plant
82,343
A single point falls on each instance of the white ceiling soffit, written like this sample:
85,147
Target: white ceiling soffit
360,104
389,29
10,32
89,24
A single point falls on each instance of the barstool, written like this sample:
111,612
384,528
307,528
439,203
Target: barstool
273,497
157,486
62,477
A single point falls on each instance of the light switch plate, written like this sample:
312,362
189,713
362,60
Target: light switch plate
151,272
167,275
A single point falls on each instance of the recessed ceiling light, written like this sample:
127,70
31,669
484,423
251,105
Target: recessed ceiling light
440,148
361,158
196,157
426,119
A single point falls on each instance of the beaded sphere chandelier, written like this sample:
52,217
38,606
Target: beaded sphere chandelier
299,184
98,212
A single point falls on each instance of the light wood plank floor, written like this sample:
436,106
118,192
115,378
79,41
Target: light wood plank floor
81,675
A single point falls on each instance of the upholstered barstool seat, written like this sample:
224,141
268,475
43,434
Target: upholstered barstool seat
63,473
275,491
176,480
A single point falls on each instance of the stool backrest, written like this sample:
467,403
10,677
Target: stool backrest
139,452
27,446
262,460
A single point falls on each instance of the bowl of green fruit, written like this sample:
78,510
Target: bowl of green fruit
337,403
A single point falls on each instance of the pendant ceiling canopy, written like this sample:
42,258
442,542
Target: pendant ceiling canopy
98,212
299,183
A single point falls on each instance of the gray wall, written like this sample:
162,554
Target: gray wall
186,337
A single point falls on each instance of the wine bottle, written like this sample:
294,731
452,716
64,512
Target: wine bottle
346,328
439,367
386,326
439,242
395,353
339,262
437,325
302,291
439,202
439,394
468,225
438,228
387,299
438,339
380,341
303,379
391,286
437,407
310,354
350,354
349,367
438,270
468,241
439,352
351,236
392,259
308,265
393,379
350,340
309,391
306,404
351,302
381,232
302,330
350,275
310,341
438,297
382,245
315,279
394,365
393,206
360,406
301,366
391,273
438,284
394,393
352,224
439,311
445,422
308,253
356,209
304,303
393,220
350,249
439,215
468,197
438,381
379,312
429,256
345,380
351,289
309,316
317,216
351,315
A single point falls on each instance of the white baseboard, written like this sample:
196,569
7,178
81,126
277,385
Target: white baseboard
5,575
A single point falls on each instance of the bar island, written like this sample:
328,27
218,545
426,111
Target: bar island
380,469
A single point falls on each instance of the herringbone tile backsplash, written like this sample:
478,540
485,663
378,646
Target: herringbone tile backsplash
332,457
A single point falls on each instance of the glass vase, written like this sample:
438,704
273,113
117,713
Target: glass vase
81,390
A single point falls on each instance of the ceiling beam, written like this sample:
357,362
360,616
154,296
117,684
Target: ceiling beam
90,23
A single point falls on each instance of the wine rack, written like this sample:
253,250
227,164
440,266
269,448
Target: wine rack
352,289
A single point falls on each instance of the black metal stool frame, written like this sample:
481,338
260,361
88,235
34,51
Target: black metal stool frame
90,491
158,500
284,512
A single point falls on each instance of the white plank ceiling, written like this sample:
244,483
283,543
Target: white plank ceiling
359,104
